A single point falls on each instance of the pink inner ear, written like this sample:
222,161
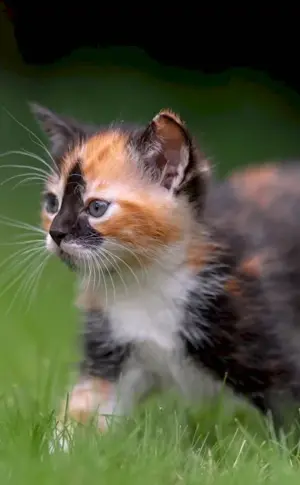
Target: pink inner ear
170,168
171,138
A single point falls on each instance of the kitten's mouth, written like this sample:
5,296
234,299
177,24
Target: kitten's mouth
67,259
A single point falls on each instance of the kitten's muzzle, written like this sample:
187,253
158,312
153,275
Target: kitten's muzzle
58,235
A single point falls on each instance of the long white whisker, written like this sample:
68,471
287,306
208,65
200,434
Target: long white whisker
111,278
20,252
23,243
122,246
34,135
27,174
20,225
129,268
35,278
43,146
18,277
25,285
103,279
109,256
19,165
36,180
40,159
90,270
14,268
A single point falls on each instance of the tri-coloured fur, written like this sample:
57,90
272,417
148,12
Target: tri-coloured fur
182,279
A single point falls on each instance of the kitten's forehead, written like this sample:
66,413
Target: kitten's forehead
99,162
103,158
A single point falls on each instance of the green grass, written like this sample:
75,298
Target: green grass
240,117
157,446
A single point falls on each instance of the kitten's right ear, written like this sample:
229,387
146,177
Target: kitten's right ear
62,132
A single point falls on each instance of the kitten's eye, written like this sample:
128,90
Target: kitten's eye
51,203
97,208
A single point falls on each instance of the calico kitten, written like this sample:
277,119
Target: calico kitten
180,278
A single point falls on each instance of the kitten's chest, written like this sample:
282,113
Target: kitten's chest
151,314
144,318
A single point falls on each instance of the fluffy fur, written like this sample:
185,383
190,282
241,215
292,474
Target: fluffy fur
183,281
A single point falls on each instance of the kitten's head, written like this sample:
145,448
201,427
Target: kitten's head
119,194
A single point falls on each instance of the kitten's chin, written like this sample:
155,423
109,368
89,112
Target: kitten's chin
68,260
66,253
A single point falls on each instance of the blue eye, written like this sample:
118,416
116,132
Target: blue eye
51,203
97,208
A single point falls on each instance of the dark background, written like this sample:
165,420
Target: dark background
209,37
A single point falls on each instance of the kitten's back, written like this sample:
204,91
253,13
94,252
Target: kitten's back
257,213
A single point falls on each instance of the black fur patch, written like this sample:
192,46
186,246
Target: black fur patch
71,223
246,331
103,357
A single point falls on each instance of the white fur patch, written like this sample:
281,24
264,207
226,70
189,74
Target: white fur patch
50,244
149,315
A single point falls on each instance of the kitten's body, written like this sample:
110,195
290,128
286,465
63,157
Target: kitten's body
198,285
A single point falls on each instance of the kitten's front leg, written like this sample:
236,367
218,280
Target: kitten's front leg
112,380
91,398
98,400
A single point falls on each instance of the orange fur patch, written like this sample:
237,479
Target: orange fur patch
83,401
232,286
105,158
45,221
199,253
256,183
253,265
141,223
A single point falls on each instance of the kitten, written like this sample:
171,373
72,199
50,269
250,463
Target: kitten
182,279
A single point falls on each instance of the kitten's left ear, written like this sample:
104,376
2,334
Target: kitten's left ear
63,133
168,151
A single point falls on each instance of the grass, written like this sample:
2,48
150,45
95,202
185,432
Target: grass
159,445
240,118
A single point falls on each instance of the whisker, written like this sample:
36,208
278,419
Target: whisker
103,278
34,180
35,278
38,141
19,276
114,265
40,159
28,176
20,252
111,279
93,274
90,270
127,266
20,225
44,147
21,243
132,253
26,284
19,165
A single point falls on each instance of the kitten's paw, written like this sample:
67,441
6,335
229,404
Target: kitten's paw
91,400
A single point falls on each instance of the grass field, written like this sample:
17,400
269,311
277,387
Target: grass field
240,118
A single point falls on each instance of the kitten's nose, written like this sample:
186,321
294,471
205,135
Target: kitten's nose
57,235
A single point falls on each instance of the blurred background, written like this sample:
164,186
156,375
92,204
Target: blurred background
239,116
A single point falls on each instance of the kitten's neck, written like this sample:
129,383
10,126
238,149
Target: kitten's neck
196,253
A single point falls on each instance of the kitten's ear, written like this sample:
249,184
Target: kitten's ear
61,132
168,149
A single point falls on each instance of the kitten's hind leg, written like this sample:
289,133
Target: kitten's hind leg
284,414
